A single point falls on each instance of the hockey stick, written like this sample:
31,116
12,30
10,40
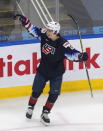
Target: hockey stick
79,33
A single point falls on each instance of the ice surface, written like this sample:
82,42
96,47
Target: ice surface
75,111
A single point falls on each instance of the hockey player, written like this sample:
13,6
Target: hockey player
54,49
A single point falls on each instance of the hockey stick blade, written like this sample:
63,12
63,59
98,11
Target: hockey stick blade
75,21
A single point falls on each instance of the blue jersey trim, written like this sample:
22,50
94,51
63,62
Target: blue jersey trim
33,41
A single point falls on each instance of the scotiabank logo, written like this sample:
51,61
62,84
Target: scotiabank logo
12,68
8,68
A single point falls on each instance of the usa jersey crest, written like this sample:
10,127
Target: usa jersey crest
47,49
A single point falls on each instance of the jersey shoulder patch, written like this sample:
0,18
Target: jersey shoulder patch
43,30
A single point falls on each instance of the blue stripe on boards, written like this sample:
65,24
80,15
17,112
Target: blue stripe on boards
34,41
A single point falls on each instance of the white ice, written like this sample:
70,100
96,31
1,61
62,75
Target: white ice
75,111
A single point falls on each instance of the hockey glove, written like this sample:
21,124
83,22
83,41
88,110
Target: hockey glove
83,57
24,20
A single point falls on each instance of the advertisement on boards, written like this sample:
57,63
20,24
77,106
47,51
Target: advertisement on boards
18,63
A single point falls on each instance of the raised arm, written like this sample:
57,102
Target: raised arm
33,30
73,54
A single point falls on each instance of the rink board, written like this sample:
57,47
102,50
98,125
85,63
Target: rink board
19,60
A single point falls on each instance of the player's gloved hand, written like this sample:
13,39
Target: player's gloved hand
24,20
83,57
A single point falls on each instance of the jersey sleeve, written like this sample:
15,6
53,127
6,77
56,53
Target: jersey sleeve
33,30
70,52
